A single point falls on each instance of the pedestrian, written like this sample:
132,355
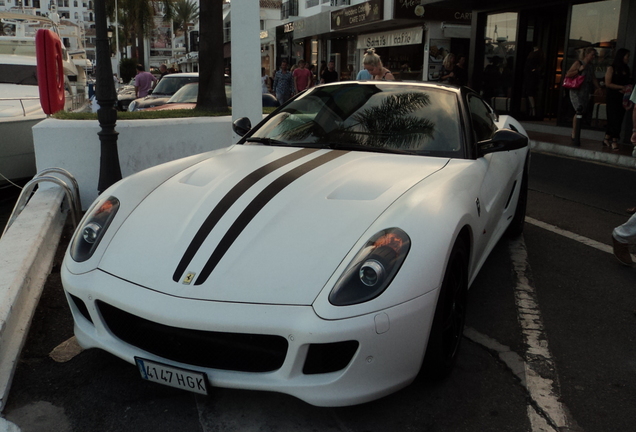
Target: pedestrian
143,82
364,75
623,236
617,79
532,72
447,75
330,74
312,69
459,71
116,81
302,77
283,83
373,64
265,82
163,71
491,82
323,68
580,97
632,99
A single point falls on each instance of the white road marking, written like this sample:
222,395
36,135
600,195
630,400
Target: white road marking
541,378
535,368
584,240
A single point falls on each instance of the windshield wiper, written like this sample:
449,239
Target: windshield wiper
354,146
266,141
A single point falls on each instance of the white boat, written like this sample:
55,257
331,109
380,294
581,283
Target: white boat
20,106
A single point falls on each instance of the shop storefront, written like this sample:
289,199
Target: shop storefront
447,31
401,51
522,51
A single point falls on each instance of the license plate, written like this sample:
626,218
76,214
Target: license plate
172,376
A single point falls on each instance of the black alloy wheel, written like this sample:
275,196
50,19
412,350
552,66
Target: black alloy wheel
450,316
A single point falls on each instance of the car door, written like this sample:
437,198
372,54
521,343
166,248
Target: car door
497,171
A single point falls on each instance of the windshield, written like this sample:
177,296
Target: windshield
368,116
169,85
18,74
186,94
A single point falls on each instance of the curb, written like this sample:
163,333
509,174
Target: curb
26,255
580,153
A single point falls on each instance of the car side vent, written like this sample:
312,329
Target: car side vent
81,306
329,357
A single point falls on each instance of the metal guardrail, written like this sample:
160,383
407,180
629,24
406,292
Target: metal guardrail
77,101
21,103
72,195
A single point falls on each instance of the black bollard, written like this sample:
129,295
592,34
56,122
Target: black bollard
109,169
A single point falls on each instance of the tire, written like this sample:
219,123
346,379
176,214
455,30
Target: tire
450,316
515,229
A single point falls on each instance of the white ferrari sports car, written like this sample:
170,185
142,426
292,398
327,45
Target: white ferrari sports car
327,255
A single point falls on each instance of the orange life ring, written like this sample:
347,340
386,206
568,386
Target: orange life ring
48,51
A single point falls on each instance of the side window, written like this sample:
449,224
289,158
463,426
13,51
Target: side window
481,118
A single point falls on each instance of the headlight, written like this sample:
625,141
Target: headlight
372,269
88,236
132,106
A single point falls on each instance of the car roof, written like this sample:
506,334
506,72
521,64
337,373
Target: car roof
182,74
422,84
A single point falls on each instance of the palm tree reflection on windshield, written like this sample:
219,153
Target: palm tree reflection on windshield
391,124
394,123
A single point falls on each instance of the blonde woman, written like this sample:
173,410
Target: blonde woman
448,74
373,64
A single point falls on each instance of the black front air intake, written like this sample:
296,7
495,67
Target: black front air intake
218,350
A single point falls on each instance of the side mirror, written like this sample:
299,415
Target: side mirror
149,92
503,140
242,126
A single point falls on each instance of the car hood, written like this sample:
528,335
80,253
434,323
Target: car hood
258,224
172,106
152,101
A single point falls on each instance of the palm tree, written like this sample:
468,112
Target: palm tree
136,20
183,12
211,95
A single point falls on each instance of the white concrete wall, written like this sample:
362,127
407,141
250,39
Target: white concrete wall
246,62
75,146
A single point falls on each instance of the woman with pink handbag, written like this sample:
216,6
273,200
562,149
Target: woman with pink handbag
617,80
580,96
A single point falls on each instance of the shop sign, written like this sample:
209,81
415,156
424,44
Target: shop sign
414,9
410,36
360,14
294,26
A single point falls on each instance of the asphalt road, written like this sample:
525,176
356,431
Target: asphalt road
586,303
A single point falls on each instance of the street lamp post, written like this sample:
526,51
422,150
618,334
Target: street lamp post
117,38
109,169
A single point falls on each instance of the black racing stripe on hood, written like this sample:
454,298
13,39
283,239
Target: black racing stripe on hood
227,201
257,204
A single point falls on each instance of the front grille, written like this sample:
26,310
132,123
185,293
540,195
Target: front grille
218,350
